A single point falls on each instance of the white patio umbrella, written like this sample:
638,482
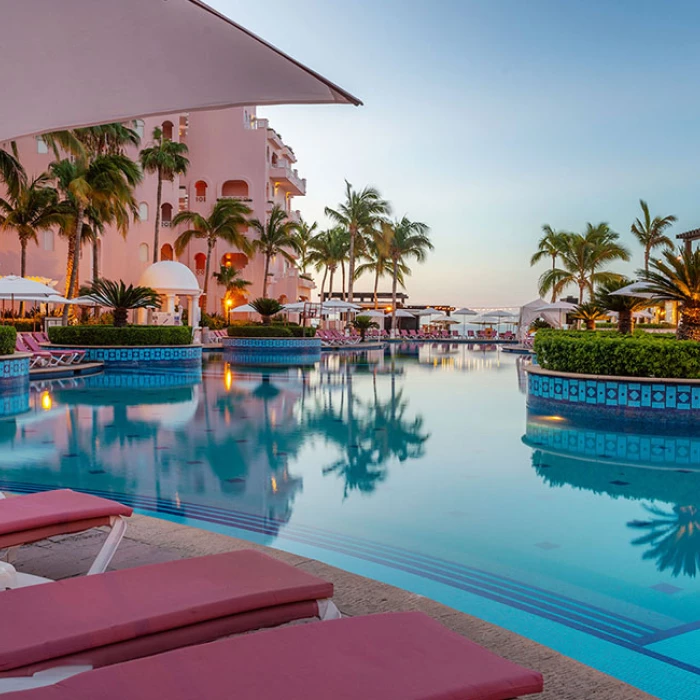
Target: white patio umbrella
636,289
12,287
402,313
339,305
464,312
244,309
562,307
426,312
374,313
155,74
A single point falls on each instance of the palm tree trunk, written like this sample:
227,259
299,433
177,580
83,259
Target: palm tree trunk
330,284
351,264
581,289
689,323
95,261
73,261
342,269
22,267
554,267
267,271
646,259
323,284
210,247
376,286
159,195
394,281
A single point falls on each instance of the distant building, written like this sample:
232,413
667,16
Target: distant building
232,154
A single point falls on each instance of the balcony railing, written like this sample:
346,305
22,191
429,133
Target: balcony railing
165,224
200,198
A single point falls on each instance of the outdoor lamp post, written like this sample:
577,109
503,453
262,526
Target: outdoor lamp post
229,304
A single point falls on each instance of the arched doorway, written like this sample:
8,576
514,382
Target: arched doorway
200,263
167,128
166,252
237,260
200,191
166,214
237,189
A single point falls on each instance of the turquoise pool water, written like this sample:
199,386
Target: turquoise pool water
420,467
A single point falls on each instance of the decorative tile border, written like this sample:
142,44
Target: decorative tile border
272,351
14,402
628,397
13,367
137,356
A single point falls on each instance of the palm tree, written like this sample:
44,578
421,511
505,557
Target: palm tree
409,240
378,259
11,172
549,246
623,305
226,221
363,324
650,232
230,278
29,209
120,298
275,237
582,255
677,278
329,249
359,214
589,313
267,308
166,158
305,234
105,183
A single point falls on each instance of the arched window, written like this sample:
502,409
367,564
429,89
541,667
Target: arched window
200,191
167,130
41,145
283,299
183,201
274,160
166,252
200,263
143,211
143,253
166,214
237,260
235,188
49,241
139,126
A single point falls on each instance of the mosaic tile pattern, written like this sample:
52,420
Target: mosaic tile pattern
14,403
12,368
629,397
185,355
272,351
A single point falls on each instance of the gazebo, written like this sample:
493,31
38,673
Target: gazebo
174,282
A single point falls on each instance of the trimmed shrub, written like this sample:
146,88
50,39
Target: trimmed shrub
608,353
8,338
301,332
260,331
87,336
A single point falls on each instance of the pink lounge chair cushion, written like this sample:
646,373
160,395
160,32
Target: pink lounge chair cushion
399,656
53,621
30,518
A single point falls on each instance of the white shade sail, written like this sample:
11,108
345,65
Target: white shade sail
138,58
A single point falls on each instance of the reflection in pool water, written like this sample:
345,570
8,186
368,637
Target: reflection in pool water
409,466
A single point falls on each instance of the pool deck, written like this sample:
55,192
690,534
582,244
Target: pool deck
150,540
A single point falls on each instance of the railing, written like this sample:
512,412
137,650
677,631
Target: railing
235,196
165,224
200,198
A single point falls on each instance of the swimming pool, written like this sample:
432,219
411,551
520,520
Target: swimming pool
420,467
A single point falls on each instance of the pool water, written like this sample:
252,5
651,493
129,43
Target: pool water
418,466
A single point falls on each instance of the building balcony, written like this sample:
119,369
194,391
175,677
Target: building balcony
274,138
288,178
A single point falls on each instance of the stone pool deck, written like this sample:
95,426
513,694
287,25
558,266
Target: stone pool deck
150,540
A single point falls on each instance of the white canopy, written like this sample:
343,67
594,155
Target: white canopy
339,305
374,313
530,312
557,306
636,289
12,287
464,312
156,71
402,313
499,313
244,309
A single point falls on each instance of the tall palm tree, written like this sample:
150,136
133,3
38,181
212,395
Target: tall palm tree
377,259
166,158
304,236
226,222
329,250
359,214
677,278
11,172
33,207
582,255
275,237
549,246
409,240
650,232
104,183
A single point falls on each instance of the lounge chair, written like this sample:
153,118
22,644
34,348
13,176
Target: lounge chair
58,358
393,656
147,610
36,516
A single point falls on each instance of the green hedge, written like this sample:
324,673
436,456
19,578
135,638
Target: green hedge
86,336
638,355
260,331
8,337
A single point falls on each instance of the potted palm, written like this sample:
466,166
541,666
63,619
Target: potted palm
120,298
267,308
362,324
589,313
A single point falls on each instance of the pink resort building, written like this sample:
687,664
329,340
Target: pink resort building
232,153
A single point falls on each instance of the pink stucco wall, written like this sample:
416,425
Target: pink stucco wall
224,146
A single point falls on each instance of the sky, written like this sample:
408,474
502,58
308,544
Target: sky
487,118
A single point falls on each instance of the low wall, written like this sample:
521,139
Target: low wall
14,370
272,351
142,355
599,397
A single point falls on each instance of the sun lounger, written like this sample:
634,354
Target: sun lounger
37,516
57,357
395,656
147,610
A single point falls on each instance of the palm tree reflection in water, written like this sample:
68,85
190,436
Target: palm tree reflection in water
370,433
674,537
